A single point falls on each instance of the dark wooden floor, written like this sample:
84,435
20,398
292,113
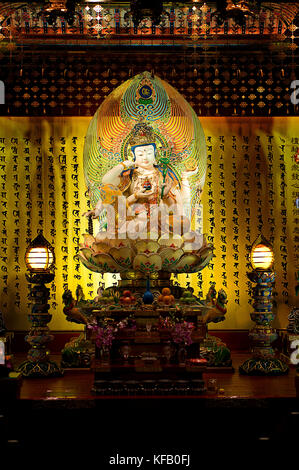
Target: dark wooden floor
61,414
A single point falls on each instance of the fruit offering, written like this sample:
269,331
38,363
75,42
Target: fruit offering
187,297
107,297
127,298
166,298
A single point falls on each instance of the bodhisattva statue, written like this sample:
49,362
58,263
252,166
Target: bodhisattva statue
151,190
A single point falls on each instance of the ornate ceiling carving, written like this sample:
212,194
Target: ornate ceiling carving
114,23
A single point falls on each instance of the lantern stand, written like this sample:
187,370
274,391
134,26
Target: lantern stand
262,334
39,259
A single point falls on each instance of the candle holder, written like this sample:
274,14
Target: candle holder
263,334
39,259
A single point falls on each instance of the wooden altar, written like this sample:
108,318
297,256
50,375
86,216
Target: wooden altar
145,360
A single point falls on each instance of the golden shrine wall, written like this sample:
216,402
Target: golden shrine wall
251,183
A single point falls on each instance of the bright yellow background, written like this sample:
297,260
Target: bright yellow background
14,302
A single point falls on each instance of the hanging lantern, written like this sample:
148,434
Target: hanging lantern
39,256
262,256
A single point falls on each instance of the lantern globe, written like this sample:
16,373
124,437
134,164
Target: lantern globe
40,256
262,256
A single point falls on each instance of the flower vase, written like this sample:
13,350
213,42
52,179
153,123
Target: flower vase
105,356
167,351
182,355
148,297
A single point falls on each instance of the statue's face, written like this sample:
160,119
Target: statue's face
145,156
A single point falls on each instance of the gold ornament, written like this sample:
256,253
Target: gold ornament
142,134
191,165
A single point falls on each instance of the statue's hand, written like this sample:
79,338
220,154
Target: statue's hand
166,189
145,194
187,174
128,163
94,214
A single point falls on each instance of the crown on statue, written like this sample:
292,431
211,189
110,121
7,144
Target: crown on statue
142,134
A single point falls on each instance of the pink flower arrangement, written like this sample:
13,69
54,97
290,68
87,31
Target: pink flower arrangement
181,333
105,333
105,337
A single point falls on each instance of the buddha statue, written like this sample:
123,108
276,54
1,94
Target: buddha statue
144,195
